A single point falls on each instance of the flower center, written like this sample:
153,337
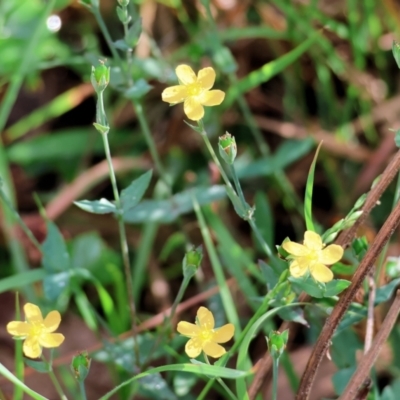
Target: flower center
194,89
205,335
36,329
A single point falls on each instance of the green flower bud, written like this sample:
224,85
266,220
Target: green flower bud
100,77
396,52
80,366
277,343
227,148
191,261
123,3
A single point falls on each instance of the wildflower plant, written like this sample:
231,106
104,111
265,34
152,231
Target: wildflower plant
165,203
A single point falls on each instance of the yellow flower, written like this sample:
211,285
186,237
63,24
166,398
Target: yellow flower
203,336
36,331
312,256
194,91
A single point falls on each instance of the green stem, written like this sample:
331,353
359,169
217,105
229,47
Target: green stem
82,389
54,380
144,126
250,219
20,221
123,243
178,298
206,389
221,382
107,37
260,311
214,157
275,365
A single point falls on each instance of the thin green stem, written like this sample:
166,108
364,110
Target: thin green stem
178,298
19,356
239,190
20,221
215,158
107,37
144,126
82,390
206,389
260,311
123,243
54,380
275,369
221,382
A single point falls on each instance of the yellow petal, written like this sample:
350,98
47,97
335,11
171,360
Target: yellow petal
205,318
32,313
18,328
297,270
187,329
331,254
51,339
185,74
321,273
212,98
31,347
223,334
213,349
193,347
206,78
312,240
295,249
52,321
193,109
174,94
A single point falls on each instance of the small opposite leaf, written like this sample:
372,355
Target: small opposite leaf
335,287
55,255
102,206
131,196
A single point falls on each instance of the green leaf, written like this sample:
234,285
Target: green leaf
39,366
55,284
289,152
341,378
166,211
309,192
264,218
102,206
270,274
131,196
335,287
155,387
55,254
138,90
134,32
87,250
384,293
308,285
23,279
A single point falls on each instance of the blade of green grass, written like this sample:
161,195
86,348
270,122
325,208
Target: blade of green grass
309,192
266,72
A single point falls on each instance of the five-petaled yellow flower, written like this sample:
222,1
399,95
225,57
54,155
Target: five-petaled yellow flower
313,257
203,336
194,91
36,331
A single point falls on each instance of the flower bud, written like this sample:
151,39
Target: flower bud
227,148
277,343
123,3
80,366
100,77
191,261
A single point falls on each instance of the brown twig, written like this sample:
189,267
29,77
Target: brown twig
370,357
333,320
